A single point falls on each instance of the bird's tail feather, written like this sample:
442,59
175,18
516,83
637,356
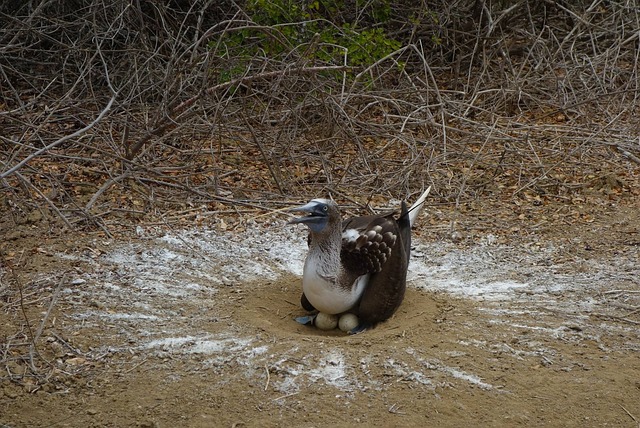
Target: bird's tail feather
417,206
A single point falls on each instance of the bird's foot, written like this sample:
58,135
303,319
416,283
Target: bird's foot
306,320
361,327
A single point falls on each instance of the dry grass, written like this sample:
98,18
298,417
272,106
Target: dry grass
116,110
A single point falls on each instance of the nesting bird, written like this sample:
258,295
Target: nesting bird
357,265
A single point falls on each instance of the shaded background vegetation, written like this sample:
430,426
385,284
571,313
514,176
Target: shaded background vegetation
119,112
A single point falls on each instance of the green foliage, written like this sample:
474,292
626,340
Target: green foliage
380,10
427,15
367,46
286,25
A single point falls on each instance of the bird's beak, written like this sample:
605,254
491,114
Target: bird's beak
308,208
317,217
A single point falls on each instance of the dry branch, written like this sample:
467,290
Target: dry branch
169,121
510,93
59,141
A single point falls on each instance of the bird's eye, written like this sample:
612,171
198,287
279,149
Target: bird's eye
325,208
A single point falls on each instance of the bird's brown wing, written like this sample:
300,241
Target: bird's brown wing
381,249
367,243
385,290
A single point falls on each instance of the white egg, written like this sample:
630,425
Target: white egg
348,322
326,321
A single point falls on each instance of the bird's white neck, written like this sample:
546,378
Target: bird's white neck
325,252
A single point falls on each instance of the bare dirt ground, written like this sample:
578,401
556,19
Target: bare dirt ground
527,315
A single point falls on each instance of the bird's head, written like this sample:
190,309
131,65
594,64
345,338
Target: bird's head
321,214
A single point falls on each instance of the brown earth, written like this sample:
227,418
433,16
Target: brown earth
512,325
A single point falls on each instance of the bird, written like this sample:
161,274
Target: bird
357,264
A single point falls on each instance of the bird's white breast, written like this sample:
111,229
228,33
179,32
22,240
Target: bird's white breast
325,295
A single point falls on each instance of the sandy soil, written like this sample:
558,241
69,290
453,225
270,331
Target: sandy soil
519,325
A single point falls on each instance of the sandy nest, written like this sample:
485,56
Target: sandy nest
195,327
